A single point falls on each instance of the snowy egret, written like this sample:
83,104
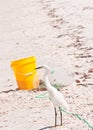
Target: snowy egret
56,96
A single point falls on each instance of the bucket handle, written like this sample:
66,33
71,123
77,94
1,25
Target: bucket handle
25,75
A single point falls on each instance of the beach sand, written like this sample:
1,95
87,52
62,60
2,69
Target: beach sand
59,34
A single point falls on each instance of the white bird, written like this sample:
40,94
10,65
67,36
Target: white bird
56,96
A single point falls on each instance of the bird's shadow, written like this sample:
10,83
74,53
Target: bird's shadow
46,127
49,127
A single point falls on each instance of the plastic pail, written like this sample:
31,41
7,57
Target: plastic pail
25,73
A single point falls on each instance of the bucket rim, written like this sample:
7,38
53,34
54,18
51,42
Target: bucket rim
13,63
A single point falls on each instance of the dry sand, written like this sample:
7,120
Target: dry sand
60,34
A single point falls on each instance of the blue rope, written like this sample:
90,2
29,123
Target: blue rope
44,95
79,117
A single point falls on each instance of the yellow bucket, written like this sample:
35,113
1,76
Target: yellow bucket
25,73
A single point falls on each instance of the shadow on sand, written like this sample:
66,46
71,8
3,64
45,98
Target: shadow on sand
46,127
8,91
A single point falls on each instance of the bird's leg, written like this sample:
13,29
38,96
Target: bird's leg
55,116
60,115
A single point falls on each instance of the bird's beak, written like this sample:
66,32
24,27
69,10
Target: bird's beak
38,67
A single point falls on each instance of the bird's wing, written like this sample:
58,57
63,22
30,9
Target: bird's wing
58,99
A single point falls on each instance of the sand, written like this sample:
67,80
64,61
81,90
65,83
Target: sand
59,34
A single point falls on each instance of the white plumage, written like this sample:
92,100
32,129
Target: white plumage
56,96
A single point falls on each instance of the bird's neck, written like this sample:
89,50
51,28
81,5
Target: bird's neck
47,82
